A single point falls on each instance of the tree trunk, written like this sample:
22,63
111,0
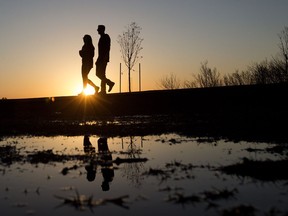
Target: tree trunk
129,79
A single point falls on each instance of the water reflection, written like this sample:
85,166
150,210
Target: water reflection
133,171
89,150
207,176
102,158
105,161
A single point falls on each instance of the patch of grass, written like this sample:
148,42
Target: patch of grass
82,202
262,170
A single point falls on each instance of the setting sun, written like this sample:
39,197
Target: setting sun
89,90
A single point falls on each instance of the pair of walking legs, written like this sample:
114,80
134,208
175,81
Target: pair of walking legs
85,72
101,74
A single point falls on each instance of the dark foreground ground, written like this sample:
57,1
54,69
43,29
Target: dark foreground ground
254,113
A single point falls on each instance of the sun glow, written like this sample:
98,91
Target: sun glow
89,90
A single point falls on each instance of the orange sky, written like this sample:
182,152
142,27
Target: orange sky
40,40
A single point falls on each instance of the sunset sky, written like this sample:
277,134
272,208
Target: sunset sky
40,40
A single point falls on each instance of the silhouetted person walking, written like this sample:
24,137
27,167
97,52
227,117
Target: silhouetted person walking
103,58
87,54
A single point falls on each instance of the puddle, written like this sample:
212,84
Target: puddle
166,174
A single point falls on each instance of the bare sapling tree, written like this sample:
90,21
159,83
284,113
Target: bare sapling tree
260,72
283,45
130,47
190,84
170,82
208,77
238,78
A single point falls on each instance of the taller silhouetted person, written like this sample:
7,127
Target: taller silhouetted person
105,160
87,55
104,44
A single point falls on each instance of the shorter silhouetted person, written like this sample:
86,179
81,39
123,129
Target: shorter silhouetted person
87,55
88,147
103,58
105,160
91,171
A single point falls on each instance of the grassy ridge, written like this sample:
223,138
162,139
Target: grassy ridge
258,111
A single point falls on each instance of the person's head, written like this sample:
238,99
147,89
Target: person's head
91,172
87,39
91,176
101,29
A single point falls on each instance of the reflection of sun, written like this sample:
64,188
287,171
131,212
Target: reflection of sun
89,90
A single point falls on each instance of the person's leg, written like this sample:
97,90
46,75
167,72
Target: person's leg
85,71
100,72
93,85
110,84
84,76
106,80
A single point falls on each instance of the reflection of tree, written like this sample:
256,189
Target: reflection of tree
133,171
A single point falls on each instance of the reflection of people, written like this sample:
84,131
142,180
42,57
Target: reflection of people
103,59
87,54
92,166
91,171
88,148
105,160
